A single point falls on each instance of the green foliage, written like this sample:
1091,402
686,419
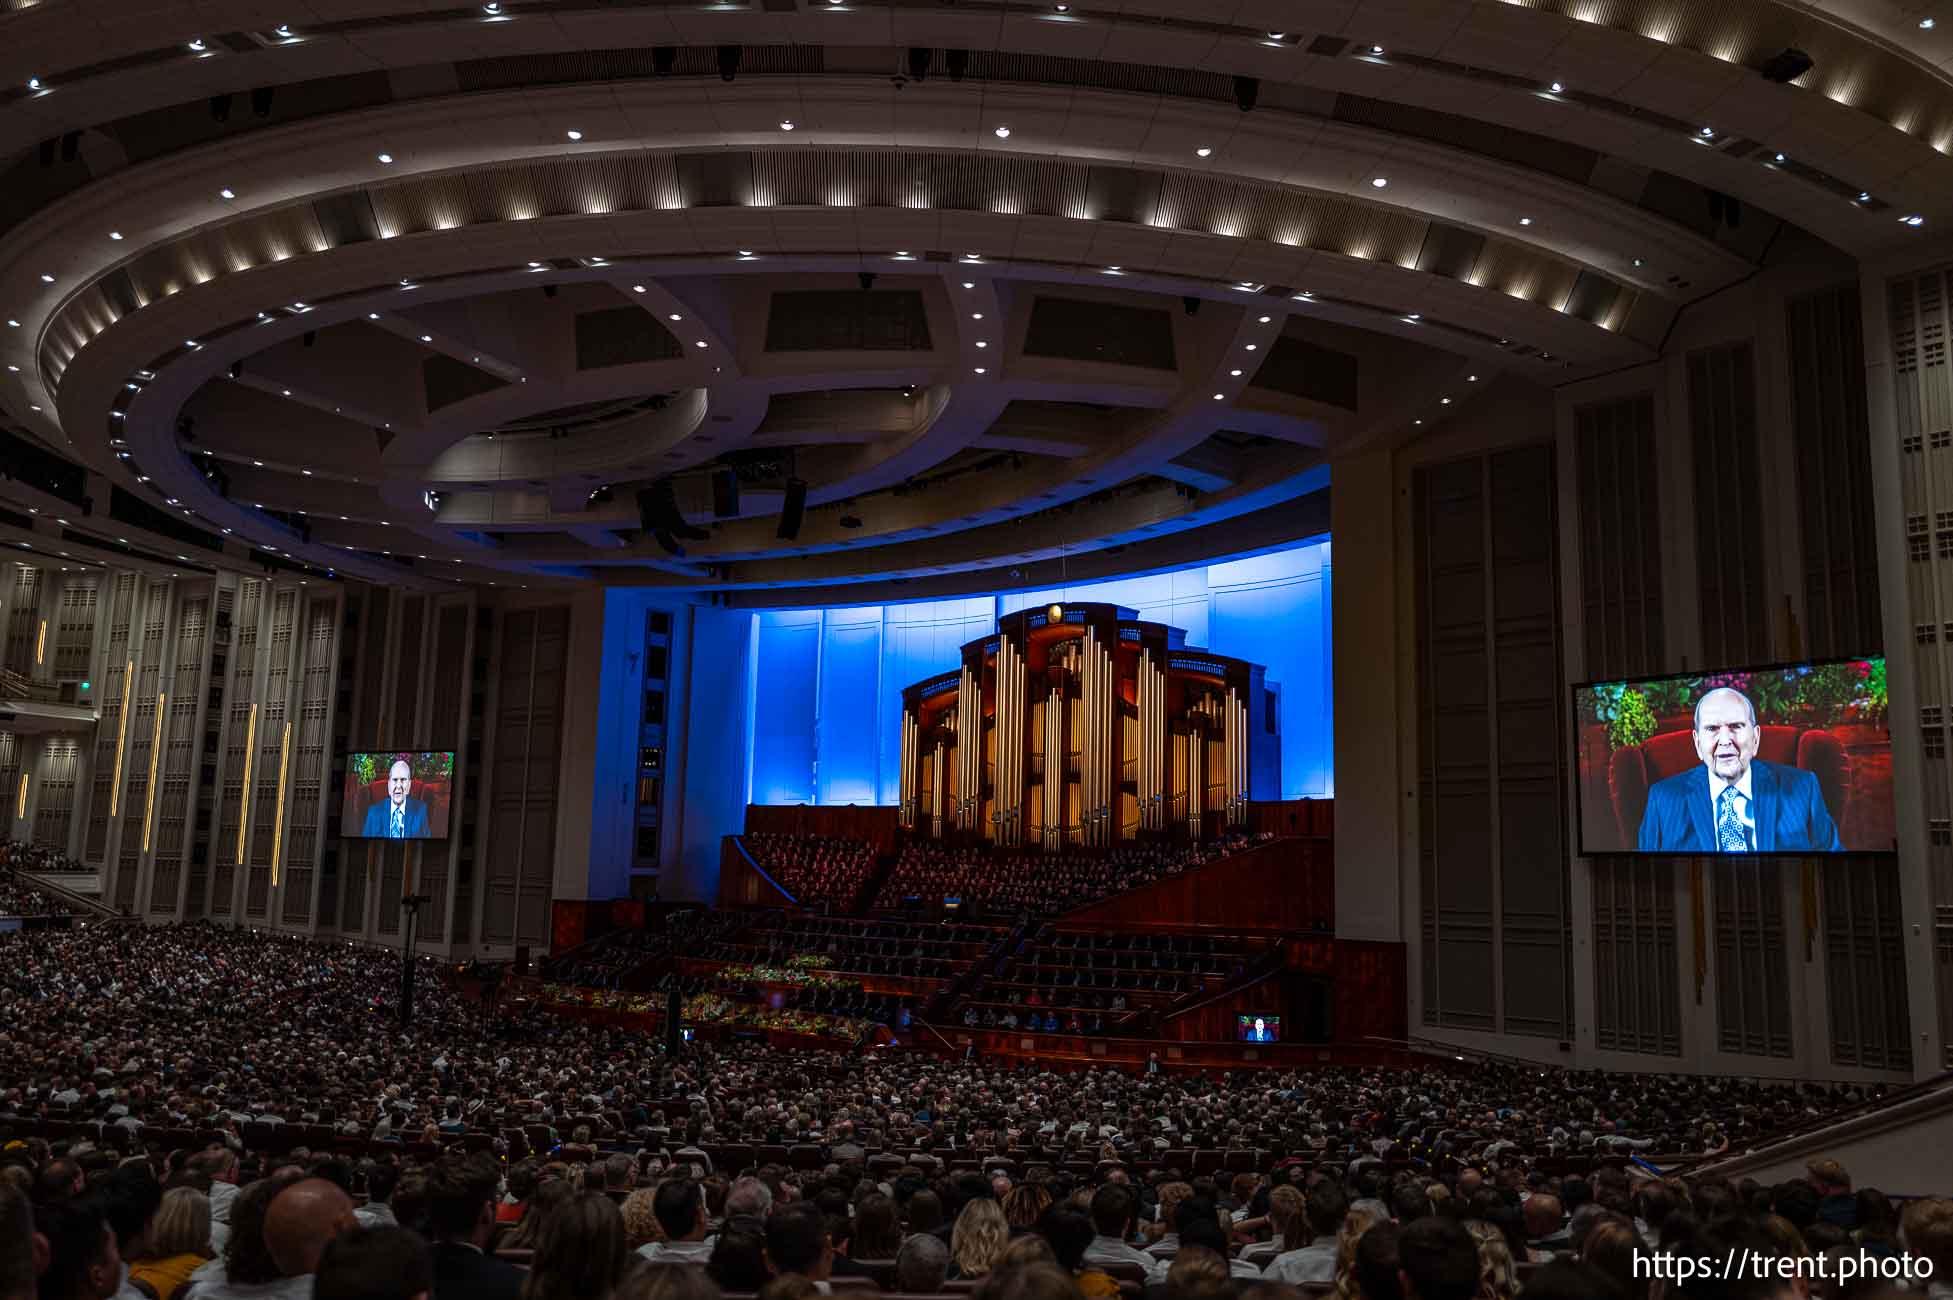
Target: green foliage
1632,721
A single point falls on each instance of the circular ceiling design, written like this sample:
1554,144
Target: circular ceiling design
773,297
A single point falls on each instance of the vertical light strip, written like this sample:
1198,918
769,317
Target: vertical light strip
250,752
155,751
40,644
121,737
20,804
278,826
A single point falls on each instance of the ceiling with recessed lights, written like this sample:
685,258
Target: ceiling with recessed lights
556,291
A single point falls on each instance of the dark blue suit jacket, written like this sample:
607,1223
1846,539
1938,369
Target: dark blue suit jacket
414,820
1788,806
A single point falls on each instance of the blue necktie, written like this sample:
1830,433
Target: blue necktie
1730,837
399,824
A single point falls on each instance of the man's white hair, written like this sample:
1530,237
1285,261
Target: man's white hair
1723,690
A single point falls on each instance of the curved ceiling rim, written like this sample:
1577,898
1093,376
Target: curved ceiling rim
153,441
77,298
1250,62
46,238
361,300
274,151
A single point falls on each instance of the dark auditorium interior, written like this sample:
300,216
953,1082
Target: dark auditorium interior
1126,650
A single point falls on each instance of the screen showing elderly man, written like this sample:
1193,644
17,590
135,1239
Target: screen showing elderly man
401,817
1732,801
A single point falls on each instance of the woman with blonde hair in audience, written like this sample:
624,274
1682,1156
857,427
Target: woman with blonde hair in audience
176,1244
580,1255
978,1238
1498,1276
1164,1239
1355,1224
640,1222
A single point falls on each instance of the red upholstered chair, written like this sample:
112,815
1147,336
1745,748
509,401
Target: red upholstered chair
1632,770
435,794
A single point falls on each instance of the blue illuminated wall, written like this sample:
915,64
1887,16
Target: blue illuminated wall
827,707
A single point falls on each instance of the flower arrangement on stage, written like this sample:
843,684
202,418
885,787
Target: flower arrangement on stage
810,961
714,1008
798,977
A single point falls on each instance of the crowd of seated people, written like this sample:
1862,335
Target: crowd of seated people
605,962
19,898
660,1218
911,949
20,855
1008,882
817,870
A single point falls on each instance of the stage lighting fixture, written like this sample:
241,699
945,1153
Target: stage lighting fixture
1246,91
729,56
867,279
792,510
1786,67
919,61
1191,305
261,100
956,63
220,108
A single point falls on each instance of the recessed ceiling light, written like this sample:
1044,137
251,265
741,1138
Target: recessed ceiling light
1639,262
1864,196
535,266
1471,379
1707,132
372,315
306,472
699,344
227,193
637,288
976,315
1220,397
980,370
1204,152
1414,316
1063,9
1235,373
745,252
1379,181
1915,221
46,278
287,392
574,135
982,344
12,323
115,235
1779,157
258,463
1253,346
1927,24
969,284
1266,319
427,338
198,45
786,124
1525,221
386,157
491,8
1376,51
1444,401
674,316
1003,133
33,83
1559,88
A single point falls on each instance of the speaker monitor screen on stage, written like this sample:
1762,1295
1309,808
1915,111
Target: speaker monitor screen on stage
1259,1028
1792,759
397,795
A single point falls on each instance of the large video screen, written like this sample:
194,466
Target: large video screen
1792,760
398,795
1262,1028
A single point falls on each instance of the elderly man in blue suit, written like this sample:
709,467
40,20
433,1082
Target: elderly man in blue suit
399,818
1734,802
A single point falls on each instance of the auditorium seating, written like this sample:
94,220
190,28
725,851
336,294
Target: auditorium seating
816,870
1004,882
1074,981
